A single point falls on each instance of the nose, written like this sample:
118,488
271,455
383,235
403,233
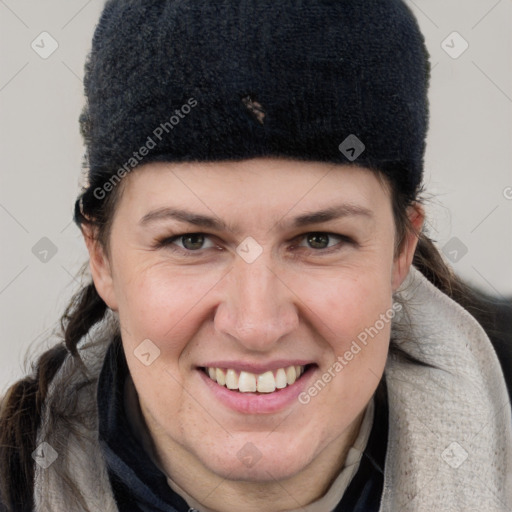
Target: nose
258,308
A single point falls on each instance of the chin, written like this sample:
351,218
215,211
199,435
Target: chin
247,462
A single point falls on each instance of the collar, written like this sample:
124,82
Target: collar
134,477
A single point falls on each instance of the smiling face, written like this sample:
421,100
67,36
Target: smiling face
236,269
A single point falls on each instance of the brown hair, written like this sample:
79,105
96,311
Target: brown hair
20,411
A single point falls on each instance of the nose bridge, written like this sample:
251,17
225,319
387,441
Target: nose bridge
260,309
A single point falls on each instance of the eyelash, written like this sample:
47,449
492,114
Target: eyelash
168,243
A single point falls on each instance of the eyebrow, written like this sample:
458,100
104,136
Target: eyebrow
205,221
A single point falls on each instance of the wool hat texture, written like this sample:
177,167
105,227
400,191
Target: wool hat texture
340,81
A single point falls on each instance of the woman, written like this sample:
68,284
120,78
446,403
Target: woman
267,326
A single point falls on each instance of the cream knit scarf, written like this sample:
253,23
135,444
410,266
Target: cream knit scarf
450,427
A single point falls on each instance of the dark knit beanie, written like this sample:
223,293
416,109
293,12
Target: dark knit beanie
341,81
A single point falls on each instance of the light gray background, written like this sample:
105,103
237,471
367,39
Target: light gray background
468,171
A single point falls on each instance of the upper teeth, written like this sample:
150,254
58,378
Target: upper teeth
247,382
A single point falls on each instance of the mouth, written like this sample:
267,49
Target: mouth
268,382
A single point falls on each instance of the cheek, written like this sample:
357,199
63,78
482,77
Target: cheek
352,312
159,303
346,302
164,306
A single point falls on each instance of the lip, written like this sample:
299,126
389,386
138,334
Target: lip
253,403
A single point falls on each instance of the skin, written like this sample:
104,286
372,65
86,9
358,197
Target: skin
294,301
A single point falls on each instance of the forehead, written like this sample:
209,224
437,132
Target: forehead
215,178
275,186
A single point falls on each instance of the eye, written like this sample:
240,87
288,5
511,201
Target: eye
317,242
321,241
188,242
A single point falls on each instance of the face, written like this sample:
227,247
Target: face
263,273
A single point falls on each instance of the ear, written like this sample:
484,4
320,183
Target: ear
100,267
403,261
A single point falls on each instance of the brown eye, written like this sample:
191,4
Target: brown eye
319,241
187,242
